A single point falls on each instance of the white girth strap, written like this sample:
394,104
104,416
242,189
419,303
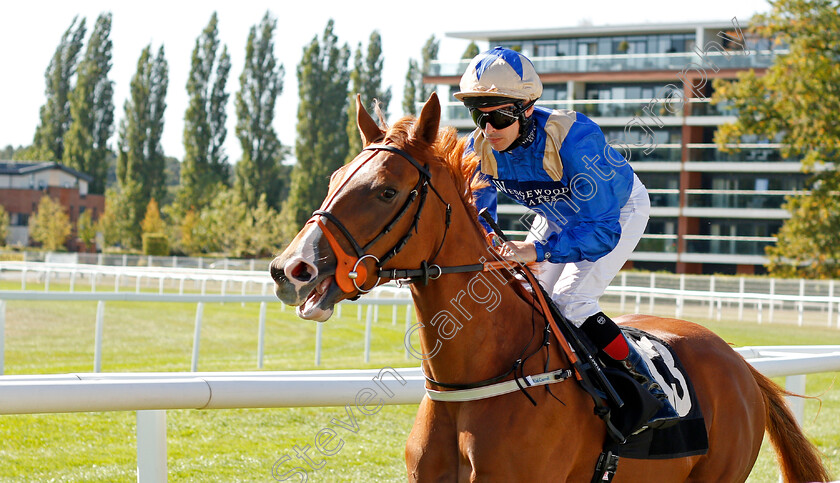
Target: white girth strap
499,388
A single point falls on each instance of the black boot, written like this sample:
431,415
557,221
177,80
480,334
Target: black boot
613,346
635,364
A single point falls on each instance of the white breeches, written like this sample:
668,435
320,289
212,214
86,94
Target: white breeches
576,287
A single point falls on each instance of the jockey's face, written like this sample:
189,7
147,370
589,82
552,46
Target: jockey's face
501,139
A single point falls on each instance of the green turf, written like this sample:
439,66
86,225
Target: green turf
243,445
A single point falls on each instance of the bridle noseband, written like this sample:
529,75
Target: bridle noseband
349,269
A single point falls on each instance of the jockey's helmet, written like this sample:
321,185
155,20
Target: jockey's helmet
499,76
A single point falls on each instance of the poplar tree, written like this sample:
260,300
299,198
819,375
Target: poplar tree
410,89
205,165
140,160
366,80
415,90
48,144
321,145
261,81
92,109
429,54
471,51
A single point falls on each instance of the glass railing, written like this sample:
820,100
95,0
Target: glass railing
727,245
664,198
704,107
660,152
737,198
761,153
657,243
628,62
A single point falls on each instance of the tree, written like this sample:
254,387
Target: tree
50,225
92,109
152,222
117,223
266,230
809,242
261,81
48,144
86,229
205,162
4,225
471,51
410,89
190,242
155,240
415,90
141,162
321,145
9,152
429,54
366,80
796,101
223,225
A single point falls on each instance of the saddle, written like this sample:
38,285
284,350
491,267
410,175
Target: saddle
686,437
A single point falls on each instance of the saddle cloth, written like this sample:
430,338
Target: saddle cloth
685,438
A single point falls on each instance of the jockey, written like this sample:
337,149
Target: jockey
589,208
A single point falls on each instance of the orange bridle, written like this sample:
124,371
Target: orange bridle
349,269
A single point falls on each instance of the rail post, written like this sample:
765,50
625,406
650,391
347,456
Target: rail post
199,313
2,335
97,350
261,337
151,446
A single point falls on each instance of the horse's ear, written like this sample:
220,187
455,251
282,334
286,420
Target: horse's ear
367,126
427,125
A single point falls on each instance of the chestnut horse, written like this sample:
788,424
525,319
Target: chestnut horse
380,221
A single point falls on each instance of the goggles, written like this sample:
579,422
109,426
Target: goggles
499,119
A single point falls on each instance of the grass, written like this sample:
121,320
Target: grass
244,444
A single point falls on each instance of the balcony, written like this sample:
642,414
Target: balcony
657,243
727,245
627,62
740,199
746,153
706,244
664,198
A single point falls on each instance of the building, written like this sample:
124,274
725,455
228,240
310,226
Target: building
23,184
648,87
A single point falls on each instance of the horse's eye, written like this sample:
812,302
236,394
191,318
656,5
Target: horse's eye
388,194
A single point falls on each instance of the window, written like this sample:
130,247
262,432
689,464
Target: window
545,49
18,219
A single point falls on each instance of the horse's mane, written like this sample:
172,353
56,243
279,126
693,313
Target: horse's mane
448,150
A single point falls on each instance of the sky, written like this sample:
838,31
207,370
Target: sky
31,30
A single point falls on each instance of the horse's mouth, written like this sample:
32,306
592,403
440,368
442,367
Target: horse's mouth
320,302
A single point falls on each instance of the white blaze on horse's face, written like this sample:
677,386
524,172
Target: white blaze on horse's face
305,272
301,270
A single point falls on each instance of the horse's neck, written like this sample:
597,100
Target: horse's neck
474,325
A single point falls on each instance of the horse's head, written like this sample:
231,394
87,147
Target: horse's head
372,208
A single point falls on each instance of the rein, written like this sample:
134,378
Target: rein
349,269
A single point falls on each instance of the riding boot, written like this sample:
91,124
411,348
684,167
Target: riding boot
609,340
636,366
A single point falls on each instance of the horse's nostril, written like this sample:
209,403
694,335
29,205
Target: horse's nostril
300,270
